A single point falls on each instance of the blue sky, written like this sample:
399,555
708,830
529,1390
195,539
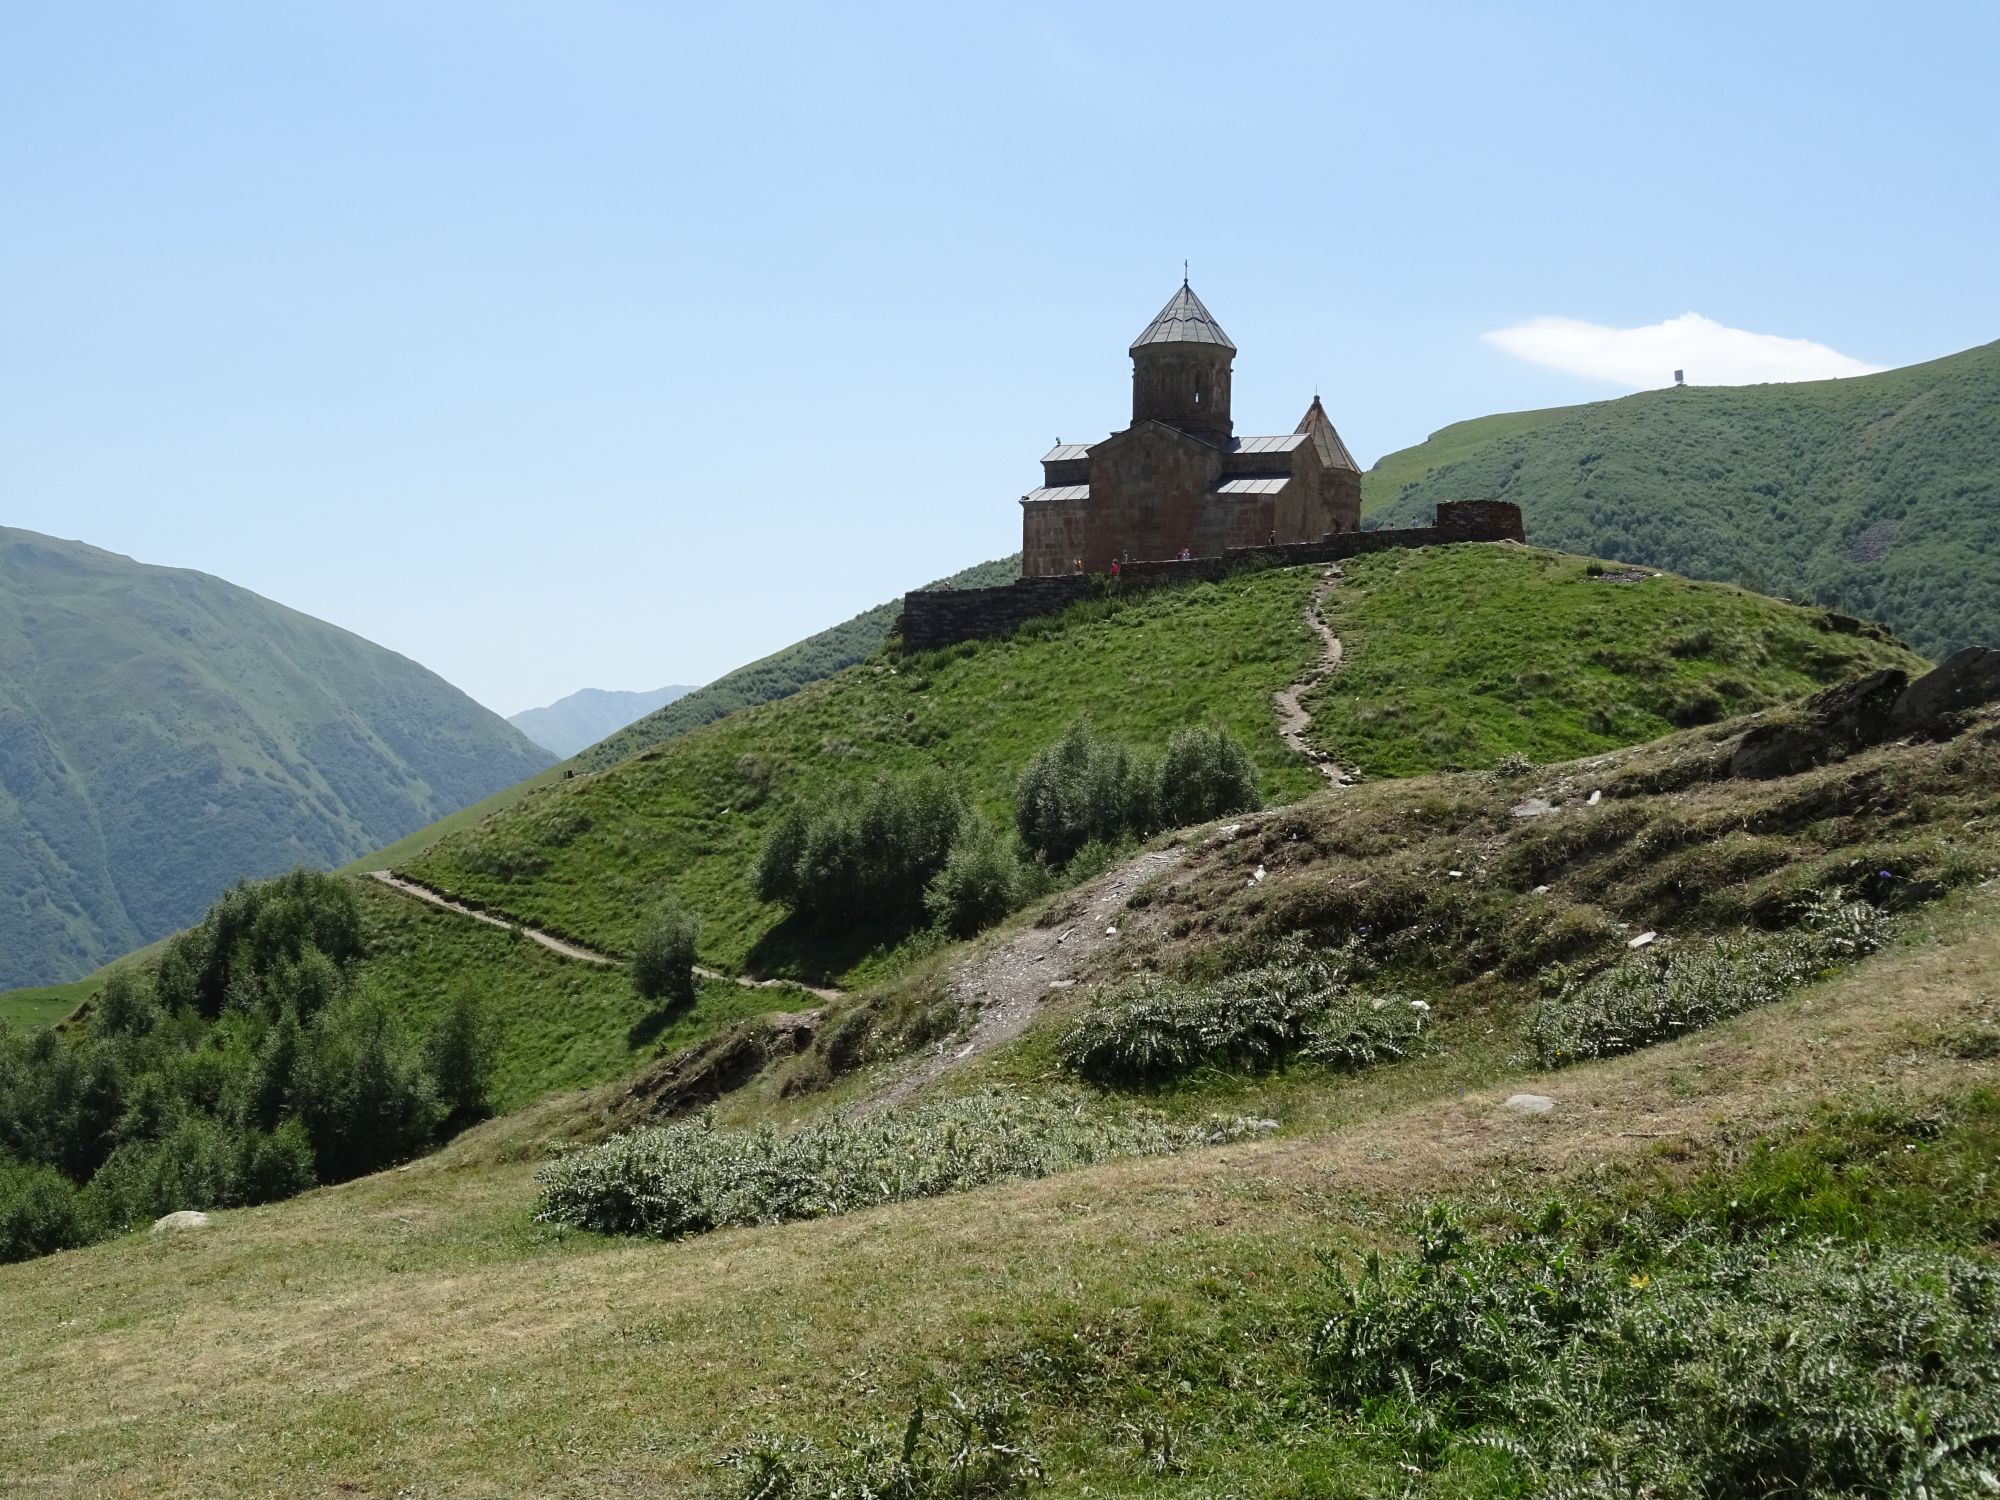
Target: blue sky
615,344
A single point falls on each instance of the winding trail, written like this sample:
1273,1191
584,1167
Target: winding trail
1292,716
577,951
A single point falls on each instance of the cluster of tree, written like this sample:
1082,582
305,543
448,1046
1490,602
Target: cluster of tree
911,844
1083,790
247,1067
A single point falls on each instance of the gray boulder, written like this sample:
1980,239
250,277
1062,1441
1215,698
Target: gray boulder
187,1218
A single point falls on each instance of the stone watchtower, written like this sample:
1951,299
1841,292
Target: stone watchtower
1180,371
1179,480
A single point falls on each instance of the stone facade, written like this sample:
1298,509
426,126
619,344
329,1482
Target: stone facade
1179,479
934,618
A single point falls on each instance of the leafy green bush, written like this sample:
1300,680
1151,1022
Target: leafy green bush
363,1092
1660,994
1083,790
1206,774
1690,1366
40,1211
686,1178
663,958
870,857
1300,1002
980,882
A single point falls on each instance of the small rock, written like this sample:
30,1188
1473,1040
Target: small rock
1111,932
1262,1124
1595,798
1534,807
1061,984
1456,874
1643,940
1530,1104
187,1218
1224,835
1541,890
1260,873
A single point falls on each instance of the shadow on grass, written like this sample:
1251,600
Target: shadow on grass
649,1026
820,950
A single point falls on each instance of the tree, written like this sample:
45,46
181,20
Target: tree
663,958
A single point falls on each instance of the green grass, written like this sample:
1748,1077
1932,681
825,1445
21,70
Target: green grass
1395,473
587,856
1874,495
1153,1323
1462,656
170,733
561,1024
32,1009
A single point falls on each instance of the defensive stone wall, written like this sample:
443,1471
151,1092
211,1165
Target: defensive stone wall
943,617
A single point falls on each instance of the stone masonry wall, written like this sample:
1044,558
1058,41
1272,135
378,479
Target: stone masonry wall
943,617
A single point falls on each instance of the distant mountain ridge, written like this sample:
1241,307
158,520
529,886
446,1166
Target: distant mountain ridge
1878,495
164,733
588,715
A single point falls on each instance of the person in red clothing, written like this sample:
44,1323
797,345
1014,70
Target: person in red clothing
1114,567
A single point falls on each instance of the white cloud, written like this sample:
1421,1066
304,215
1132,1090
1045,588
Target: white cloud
1641,358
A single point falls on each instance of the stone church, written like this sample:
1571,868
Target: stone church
1179,478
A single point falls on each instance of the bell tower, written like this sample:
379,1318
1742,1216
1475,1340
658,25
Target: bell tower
1180,370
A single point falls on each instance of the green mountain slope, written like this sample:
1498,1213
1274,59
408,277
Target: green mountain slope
1582,667
163,733
586,716
1878,496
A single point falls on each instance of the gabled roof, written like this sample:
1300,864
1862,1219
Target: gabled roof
1065,452
1183,321
1332,451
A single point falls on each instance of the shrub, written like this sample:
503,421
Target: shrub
1206,774
1079,790
686,1178
663,958
979,884
869,858
460,1055
1706,1368
1661,994
1301,1001
363,1092
277,1165
1083,790
40,1211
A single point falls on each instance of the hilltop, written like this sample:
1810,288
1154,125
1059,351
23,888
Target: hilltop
1875,496
164,733
586,716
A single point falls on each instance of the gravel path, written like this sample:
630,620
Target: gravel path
1007,983
1292,716
576,951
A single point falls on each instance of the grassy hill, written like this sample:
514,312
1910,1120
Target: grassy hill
1460,656
1876,496
1807,1183
163,733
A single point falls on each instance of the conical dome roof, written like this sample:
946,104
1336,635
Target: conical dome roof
1183,321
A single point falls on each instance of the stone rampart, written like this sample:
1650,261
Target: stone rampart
933,618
